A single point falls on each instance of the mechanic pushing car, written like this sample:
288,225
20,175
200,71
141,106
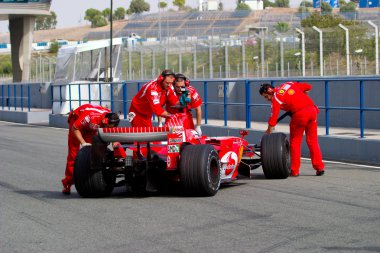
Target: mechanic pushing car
150,99
83,124
188,97
292,97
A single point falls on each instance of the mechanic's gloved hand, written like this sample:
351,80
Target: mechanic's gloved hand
184,100
198,129
85,144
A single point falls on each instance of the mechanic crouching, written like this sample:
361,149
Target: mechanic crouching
83,125
292,97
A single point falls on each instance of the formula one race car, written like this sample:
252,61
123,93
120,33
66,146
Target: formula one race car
146,155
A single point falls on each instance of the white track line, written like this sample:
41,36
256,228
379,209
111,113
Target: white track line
351,164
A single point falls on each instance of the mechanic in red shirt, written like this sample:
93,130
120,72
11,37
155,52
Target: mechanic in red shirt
292,97
83,124
189,97
150,99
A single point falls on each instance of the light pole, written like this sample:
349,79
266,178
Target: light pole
320,49
159,20
303,49
347,48
376,45
281,52
111,35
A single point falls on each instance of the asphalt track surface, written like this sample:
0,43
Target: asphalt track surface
339,212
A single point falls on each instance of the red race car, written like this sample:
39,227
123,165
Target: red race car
147,156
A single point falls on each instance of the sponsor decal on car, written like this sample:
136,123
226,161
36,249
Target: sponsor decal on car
173,148
175,140
291,92
229,162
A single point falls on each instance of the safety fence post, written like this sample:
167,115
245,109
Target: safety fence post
22,97
79,95
361,109
70,97
9,97
15,96
28,97
2,97
225,102
100,93
327,112
205,101
125,99
111,94
247,104
89,93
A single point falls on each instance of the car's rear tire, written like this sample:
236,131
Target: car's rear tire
275,158
200,170
91,183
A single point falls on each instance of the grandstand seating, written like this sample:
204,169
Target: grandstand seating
200,24
185,23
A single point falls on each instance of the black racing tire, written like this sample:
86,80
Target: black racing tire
200,170
91,183
275,156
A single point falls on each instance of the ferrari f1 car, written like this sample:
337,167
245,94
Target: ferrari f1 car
143,156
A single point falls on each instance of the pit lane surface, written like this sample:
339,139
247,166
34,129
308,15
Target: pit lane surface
339,212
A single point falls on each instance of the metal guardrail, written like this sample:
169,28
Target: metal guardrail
15,95
361,81
7,95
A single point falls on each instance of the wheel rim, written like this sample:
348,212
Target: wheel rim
287,156
214,172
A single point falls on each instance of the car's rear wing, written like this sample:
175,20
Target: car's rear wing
138,134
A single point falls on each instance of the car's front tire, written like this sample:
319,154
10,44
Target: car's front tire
275,158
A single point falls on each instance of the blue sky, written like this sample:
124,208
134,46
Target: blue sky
71,12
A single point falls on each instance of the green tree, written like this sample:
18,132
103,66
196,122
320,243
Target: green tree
307,4
162,5
95,17
282,27
180,4
282,3
106,13
303,9
46,22
138,7
348,7
324,21
242,7
268,3
54,47
119,14
326,7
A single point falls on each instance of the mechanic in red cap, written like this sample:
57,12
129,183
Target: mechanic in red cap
292,97
189,97
150,99
83,124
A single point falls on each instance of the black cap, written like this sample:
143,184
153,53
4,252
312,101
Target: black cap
167,72
113,118
180,77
